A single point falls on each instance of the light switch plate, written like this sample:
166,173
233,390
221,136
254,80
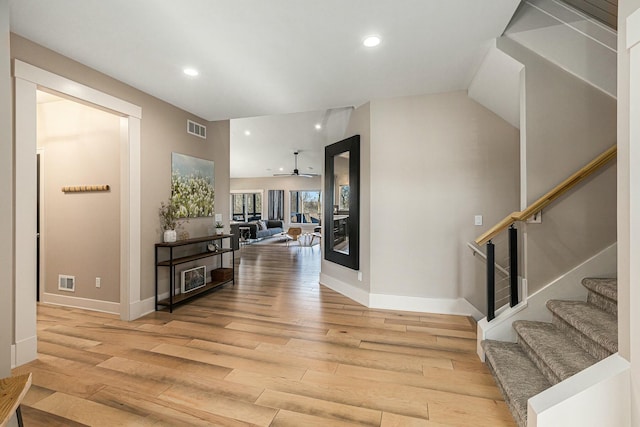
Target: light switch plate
478,220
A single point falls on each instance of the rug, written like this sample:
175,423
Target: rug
282,241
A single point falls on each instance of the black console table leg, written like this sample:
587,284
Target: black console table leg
19,416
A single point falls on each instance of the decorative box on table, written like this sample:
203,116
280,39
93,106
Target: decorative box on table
221,274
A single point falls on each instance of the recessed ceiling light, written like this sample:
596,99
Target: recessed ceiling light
247,132
191,72
281,169
318,126
371,41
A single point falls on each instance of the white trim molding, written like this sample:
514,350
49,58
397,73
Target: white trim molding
457,306
48,80
29,79
24,350
357,294
84,303
146,306
597,396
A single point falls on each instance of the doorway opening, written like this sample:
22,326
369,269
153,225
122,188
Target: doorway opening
78,231
28,79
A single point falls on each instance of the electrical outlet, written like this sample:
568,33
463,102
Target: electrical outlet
360,276
98,280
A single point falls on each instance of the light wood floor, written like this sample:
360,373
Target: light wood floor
277,349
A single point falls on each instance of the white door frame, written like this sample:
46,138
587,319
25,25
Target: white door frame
630,260
42,237
27,80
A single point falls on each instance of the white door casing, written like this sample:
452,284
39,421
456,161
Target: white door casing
28,79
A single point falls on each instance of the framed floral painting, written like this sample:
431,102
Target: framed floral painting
192,188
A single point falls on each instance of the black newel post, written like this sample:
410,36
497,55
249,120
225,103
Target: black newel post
513,265
491,281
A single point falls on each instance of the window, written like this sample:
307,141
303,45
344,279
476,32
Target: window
306,207
246,206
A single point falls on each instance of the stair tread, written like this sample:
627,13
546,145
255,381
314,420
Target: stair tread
557,351
589,320
606,287
519,377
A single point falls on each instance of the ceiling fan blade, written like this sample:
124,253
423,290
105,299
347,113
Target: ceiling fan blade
296,172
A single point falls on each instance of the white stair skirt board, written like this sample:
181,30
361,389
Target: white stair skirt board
566,287
597,396
84,303
457,306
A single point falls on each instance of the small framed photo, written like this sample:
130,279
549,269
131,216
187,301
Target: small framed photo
193,279
343,198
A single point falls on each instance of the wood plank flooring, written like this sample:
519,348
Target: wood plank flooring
275,350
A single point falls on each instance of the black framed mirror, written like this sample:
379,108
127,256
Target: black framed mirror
342,202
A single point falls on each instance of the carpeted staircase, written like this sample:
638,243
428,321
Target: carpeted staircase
581,334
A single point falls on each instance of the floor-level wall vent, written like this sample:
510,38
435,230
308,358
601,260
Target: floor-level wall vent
66,283
196,129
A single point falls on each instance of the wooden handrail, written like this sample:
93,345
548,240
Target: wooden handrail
546,200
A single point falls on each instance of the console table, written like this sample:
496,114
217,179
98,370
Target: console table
170,261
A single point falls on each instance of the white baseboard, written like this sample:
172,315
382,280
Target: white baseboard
359,295
24,351
13,356
85,303
144,307
457,306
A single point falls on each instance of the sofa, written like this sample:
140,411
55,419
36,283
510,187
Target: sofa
272,226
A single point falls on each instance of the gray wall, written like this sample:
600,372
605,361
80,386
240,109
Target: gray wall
81,145
359,124
6,196
436,161
162,132
568,123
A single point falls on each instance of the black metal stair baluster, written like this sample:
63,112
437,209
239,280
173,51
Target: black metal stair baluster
513,265
491,281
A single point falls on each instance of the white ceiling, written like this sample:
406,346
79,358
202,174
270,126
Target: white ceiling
258,57
273,140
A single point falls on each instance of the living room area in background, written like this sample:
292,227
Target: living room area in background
259,214
246,206
306,207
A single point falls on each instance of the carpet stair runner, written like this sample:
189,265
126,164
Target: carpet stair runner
580,334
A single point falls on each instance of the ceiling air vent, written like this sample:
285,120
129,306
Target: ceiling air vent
66,283
196,129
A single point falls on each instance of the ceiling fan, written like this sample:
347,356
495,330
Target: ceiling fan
296,172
